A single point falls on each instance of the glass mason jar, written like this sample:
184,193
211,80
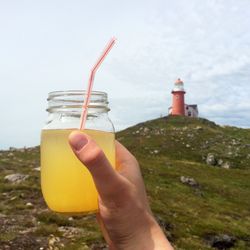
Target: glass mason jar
67,185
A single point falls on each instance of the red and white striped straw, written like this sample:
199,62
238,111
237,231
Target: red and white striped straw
91,81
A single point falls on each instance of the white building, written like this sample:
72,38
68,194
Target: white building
191,110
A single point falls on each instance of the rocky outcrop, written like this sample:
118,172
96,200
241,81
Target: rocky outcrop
222,241
189,181
211,160
16,178
226,165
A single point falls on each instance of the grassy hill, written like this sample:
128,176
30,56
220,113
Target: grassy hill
197,200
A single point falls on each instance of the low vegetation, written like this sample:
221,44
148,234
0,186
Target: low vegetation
200,203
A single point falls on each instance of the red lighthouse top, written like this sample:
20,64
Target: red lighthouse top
178,85
178,81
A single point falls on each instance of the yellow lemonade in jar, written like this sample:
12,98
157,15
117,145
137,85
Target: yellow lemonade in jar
67,185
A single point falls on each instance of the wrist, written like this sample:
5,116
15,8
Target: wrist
147,235
160,240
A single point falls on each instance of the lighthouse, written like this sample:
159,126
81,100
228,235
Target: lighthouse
178,104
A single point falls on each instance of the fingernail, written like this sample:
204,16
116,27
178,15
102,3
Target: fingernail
77,140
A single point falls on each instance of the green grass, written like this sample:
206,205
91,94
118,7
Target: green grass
7,236
47,230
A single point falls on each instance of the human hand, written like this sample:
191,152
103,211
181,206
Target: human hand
124,214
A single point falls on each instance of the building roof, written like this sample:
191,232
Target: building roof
195,106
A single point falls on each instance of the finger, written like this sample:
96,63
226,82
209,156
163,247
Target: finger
91,155
129,168
126,163
123,156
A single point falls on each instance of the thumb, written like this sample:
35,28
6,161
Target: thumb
91,155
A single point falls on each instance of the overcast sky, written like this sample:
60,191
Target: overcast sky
51,45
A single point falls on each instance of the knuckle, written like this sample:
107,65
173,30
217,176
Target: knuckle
124,193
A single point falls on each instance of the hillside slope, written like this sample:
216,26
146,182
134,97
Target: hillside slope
198,205
189,139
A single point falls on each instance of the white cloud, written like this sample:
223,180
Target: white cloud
207,45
